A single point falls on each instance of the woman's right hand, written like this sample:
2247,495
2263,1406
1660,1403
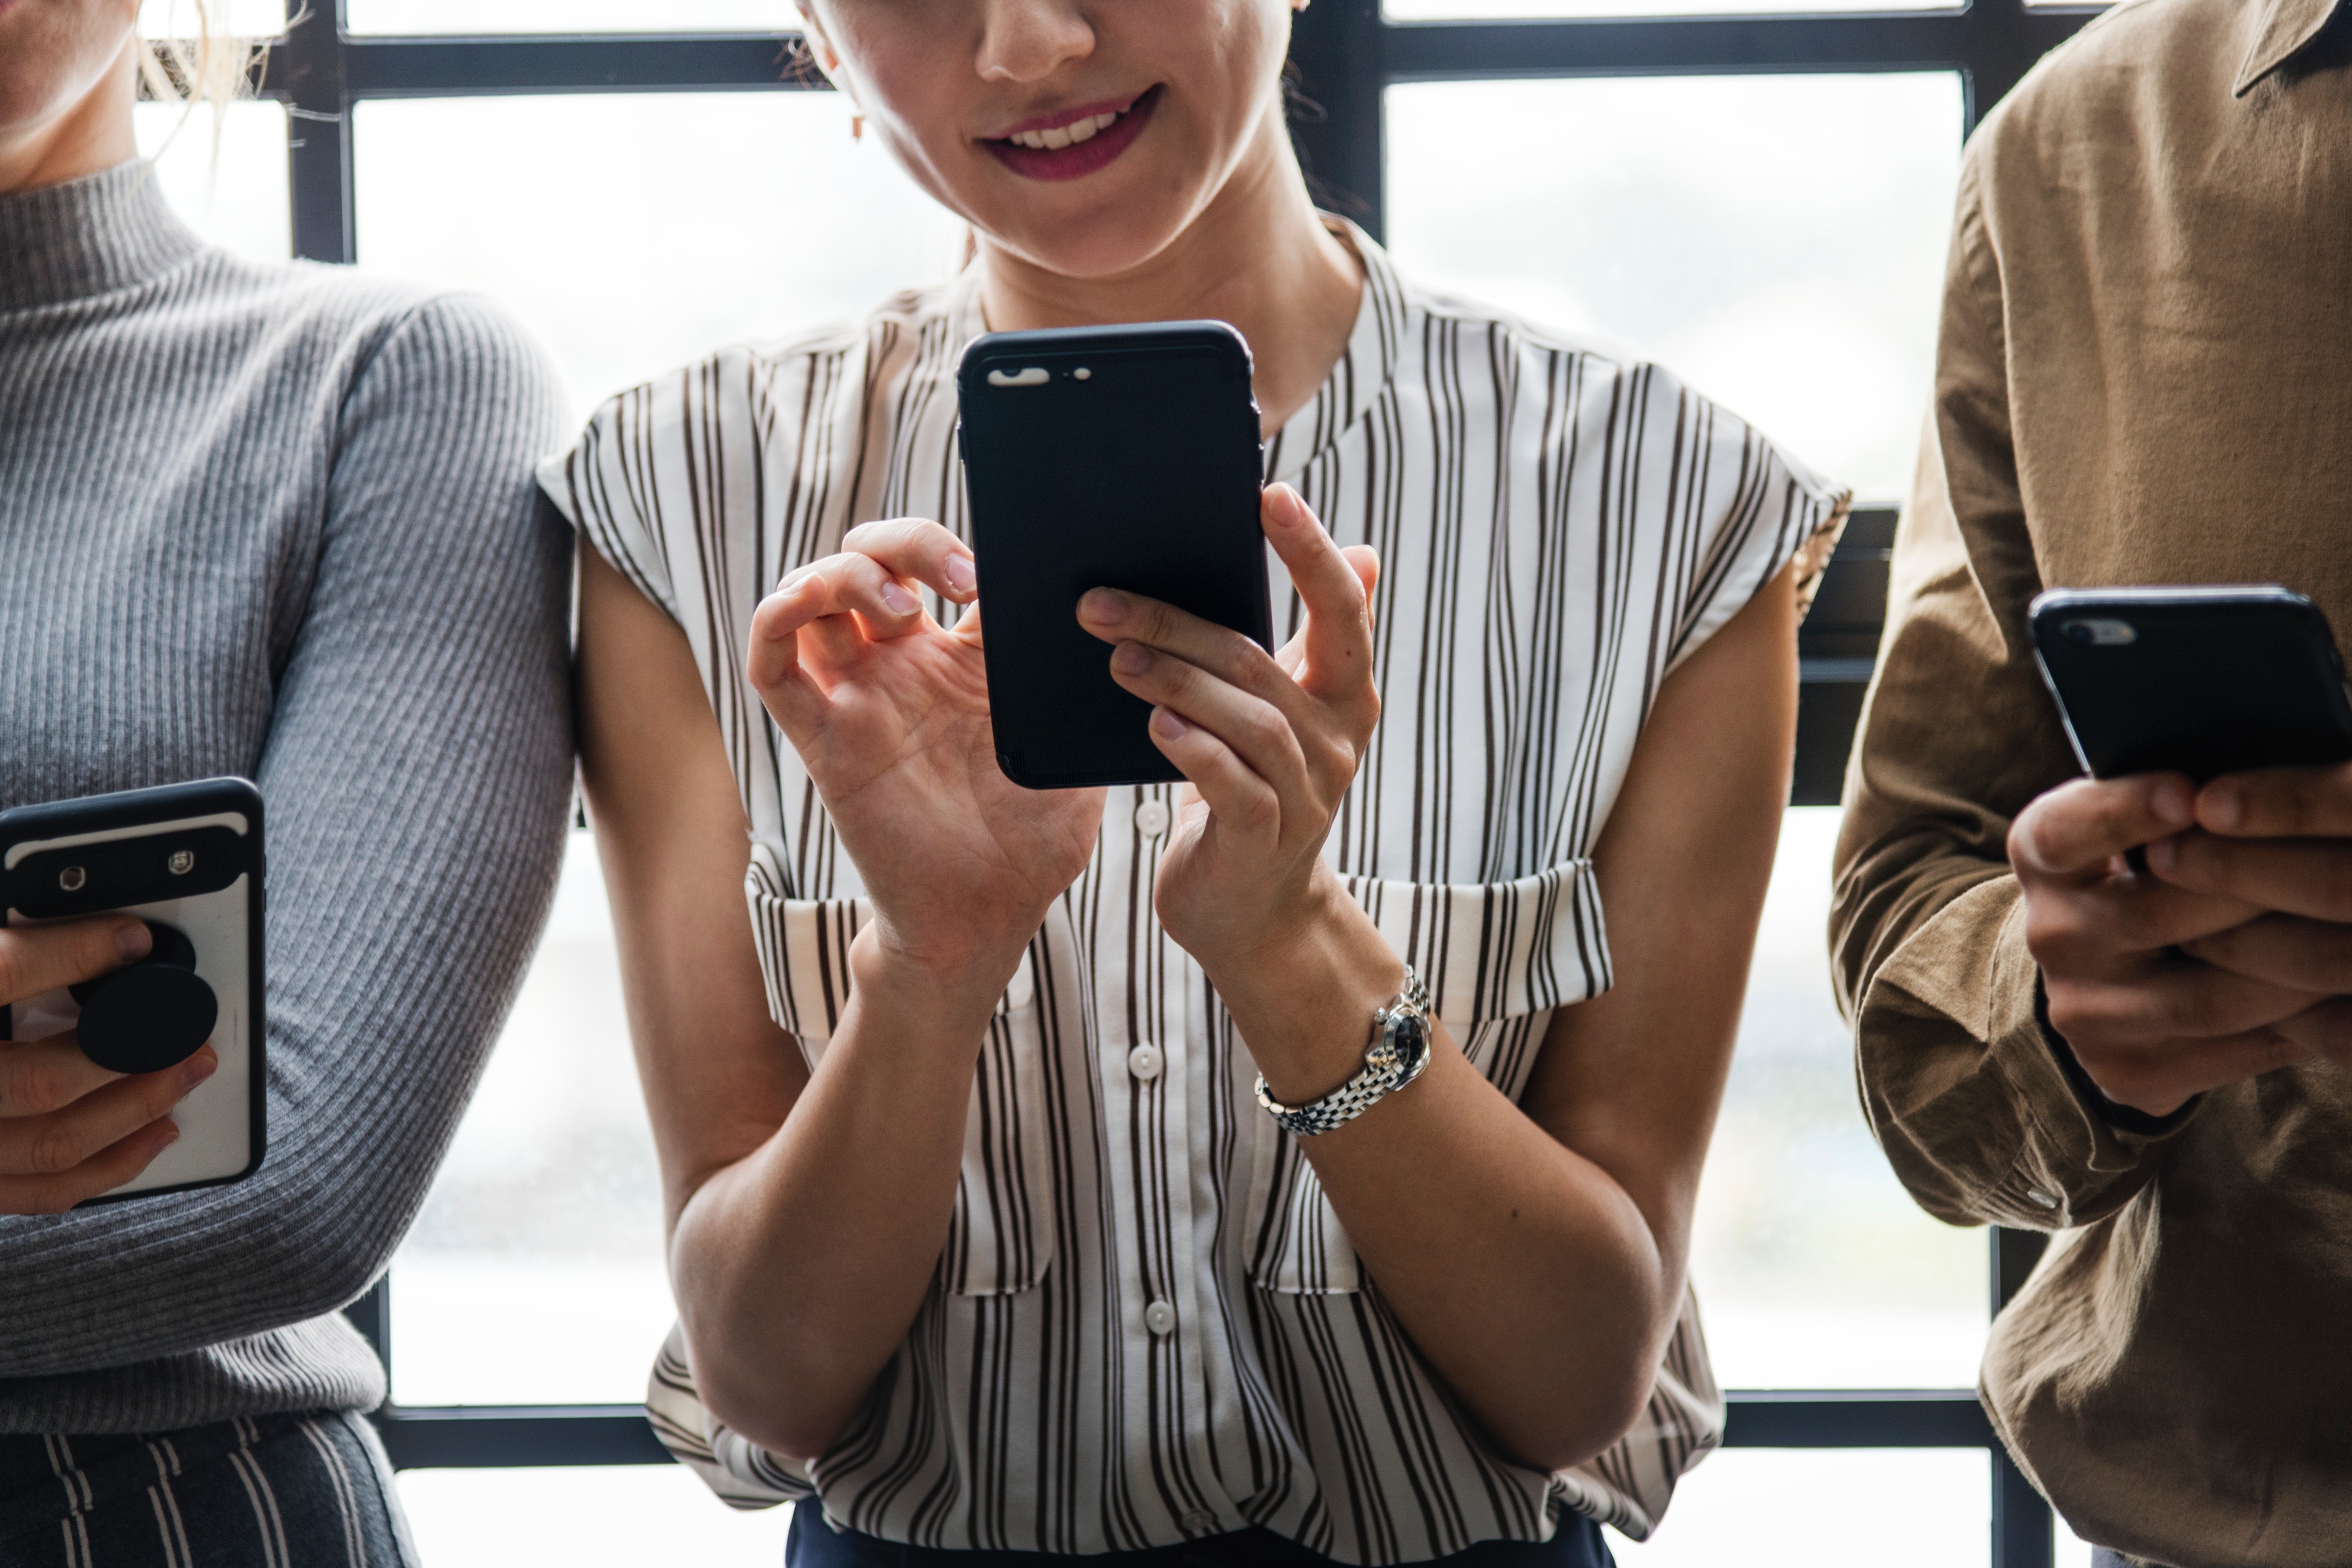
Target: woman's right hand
889,712
69,1129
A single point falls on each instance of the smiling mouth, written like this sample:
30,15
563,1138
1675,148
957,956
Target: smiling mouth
1074,146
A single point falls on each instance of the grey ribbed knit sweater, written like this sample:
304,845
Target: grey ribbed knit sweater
277,521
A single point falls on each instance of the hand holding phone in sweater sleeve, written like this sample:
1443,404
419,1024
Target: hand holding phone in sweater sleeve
69,1129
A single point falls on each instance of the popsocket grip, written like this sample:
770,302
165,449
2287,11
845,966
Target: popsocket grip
153,1014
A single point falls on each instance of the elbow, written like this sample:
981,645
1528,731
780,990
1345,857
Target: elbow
793,1431
1583,1424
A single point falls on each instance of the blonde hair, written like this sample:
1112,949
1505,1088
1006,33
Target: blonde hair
206,67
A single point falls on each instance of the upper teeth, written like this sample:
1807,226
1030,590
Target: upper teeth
1062,136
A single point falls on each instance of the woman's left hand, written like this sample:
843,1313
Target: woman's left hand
1269,742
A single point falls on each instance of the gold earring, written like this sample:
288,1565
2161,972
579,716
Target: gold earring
857,128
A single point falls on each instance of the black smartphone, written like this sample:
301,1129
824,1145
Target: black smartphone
1118,458
187,860
2201,680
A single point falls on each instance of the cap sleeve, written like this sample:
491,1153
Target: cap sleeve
605,487
1753,510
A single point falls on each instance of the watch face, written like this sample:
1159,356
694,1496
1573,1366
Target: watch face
1409,1038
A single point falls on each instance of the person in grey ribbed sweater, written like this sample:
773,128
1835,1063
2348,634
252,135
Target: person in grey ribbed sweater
278,521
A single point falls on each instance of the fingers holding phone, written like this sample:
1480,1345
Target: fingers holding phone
2280,838
2151,1026
1270,745
70,1129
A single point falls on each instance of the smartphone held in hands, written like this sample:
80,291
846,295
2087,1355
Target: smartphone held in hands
1122,457
187,860
2201,680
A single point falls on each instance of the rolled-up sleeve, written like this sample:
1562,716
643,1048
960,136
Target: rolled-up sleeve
1962,1083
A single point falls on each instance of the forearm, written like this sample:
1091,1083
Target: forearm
1523,1272
800,1268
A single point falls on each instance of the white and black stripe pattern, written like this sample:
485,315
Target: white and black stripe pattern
1559,527
273,1492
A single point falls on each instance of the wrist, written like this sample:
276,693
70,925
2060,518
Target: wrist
1303,1002
922,988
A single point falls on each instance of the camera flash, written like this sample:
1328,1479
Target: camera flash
71,878
1083,373
182,863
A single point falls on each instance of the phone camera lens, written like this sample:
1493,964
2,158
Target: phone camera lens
72,878
182,863
2100,633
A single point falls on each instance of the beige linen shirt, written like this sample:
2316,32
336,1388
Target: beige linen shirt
2144,376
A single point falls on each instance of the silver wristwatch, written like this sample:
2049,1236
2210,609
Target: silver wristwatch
1400,1049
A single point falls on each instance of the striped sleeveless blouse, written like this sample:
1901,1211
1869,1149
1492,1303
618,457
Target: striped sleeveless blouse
1148,1324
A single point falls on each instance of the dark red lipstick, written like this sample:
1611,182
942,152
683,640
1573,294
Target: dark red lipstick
1078,159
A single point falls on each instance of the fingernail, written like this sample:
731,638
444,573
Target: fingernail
897,600
959,574
198,1068
1167,726
1107,605
2224,805
2174,803
133,940
1132,659
2163,856
1289,511
170,1135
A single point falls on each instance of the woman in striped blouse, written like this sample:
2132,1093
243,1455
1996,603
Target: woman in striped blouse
979,1234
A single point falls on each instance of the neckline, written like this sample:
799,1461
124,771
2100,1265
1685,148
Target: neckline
1363,372
94,236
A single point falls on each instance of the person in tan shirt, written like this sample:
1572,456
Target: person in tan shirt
2144,376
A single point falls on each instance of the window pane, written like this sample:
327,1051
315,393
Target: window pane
617,1517
1768,1508
1814,1268
534,1275
1778,240
238,18
226,176
636,233
459,16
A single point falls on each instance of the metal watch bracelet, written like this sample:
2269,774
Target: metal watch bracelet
1398,1052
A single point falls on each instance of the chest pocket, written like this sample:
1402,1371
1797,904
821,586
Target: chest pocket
1499,959
1000,1237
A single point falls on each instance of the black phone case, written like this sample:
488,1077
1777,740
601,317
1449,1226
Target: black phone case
2201,680
231,870
1104,457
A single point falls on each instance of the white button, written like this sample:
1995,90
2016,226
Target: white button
1145,1061
1198,1521
2041,1197
1159,1317
1151,819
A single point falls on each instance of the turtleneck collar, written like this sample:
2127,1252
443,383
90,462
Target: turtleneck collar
87,237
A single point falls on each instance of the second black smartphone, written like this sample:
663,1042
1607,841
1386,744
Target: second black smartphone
2201,680
1120,457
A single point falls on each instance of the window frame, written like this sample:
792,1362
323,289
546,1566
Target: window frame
1346,54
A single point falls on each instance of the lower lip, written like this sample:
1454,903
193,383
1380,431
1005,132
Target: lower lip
1080,158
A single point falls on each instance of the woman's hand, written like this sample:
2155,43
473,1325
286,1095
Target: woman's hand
889,712
1269,742
69,1129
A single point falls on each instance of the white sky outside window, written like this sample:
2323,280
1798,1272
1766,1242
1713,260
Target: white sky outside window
236,198
635,233
462,16
1777,240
